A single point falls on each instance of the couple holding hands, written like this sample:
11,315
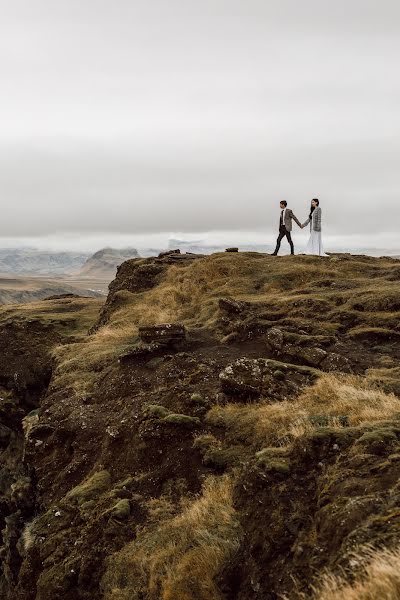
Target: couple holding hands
314,245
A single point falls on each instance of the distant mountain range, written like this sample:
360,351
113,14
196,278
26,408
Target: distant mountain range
30,261
46,263
104,263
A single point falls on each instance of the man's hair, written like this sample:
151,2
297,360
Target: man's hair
283,202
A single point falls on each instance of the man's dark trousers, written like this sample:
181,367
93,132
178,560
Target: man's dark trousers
282,233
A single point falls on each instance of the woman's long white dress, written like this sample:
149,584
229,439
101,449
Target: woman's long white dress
314,245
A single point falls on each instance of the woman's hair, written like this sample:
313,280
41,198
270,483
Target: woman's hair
313,207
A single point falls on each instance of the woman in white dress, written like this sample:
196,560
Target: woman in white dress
314,245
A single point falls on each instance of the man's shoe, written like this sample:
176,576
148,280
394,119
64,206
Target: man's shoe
274,254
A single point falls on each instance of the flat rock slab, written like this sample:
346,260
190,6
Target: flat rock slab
164,333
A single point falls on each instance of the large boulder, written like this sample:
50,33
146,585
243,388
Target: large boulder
275,338
165,333
248,377
243,377
312,356
336,362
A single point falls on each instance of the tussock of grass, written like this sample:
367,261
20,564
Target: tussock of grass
278,423
386,298
379,579
351,396
178,558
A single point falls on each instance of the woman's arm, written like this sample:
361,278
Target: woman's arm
306,222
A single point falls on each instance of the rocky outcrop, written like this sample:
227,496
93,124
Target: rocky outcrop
264,377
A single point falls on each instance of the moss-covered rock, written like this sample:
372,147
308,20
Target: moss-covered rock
221,459
157,411
127,483
182,420
273,460
90,489
122,510
279,375
379,441
198,400
275,465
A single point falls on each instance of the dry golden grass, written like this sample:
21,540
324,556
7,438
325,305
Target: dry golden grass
353,396
189,294
378,579
332,396
178,558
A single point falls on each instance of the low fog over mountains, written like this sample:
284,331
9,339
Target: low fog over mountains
30,261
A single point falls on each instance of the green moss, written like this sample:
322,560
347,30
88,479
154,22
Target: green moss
273,460
157,411
279,375
268,453
223,458
122,510
276,466
127,483
184,420
289,367
90,489
34,413
342,436
198,399
378,436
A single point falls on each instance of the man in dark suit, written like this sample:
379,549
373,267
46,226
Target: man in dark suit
285,227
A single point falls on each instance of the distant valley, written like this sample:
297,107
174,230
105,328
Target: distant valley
19,289
28,275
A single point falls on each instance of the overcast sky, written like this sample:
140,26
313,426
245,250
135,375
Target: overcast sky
141,117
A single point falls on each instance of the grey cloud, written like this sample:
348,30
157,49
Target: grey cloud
126,116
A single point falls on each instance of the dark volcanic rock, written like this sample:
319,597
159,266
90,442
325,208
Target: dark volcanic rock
275,338
164,333
336,362
169,253
313,356
231,306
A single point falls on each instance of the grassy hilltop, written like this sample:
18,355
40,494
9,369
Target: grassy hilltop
251,453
